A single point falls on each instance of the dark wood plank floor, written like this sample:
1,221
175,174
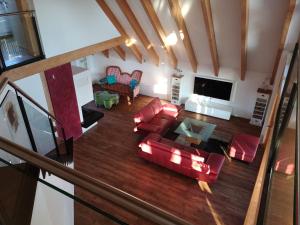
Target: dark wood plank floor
108,152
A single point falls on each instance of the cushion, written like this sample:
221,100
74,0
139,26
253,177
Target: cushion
111,79
215,161
156,105
146,114
133,84
148,127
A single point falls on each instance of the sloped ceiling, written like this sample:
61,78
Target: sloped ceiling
266,19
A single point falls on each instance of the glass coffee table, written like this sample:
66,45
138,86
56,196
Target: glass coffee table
192,131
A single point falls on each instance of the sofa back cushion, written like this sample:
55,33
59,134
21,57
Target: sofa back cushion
156,105
178,156
137,75
124,78
113,70
146,114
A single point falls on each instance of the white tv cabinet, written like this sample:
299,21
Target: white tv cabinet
203,105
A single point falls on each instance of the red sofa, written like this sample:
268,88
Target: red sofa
155,117
188,161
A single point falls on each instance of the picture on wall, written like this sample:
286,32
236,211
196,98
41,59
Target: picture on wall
13,126
12,116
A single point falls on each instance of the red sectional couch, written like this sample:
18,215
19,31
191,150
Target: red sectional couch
155,117
188,161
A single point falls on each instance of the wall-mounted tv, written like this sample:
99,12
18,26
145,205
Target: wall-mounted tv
213,88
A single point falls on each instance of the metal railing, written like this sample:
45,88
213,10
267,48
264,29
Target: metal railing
99,188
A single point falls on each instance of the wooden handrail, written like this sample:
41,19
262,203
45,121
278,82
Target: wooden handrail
253,209
3,84
97,187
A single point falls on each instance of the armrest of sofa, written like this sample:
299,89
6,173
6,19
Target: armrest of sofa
171,107
150,137
148,127
215,161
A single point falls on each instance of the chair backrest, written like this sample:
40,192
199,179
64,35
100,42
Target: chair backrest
113,70
137,75
124,78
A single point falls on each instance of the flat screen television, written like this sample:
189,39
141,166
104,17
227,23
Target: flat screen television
213,88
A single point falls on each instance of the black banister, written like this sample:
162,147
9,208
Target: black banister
296,212
17,13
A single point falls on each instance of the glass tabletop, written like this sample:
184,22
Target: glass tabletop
195,128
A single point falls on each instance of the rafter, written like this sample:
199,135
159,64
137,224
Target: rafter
45,64
123,4
176,13
209,25
244,35
106,53
148,7
119,50
117,24
285,29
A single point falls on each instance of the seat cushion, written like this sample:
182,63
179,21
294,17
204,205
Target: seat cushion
161,122
149,127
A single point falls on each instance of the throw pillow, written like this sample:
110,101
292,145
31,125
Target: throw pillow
111,79
133,84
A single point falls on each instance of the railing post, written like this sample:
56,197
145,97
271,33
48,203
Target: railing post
53,135
27,124
297,149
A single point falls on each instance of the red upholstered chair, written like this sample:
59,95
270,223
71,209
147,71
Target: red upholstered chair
188,161
155,117
244,147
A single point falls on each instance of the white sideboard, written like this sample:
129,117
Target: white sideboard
201,104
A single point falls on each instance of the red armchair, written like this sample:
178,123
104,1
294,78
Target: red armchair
188,161
155,117
244,147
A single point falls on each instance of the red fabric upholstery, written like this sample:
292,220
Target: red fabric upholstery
188,161
155,115
244,147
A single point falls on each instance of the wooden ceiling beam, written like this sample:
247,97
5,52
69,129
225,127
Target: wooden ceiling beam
136,52
209,25
119,50
158,28
244,35
176,13
45,64
106,53
125,8
284,32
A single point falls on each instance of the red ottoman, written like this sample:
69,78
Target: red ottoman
244,147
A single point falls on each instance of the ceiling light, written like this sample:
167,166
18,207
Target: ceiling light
181,34
130,42
171,39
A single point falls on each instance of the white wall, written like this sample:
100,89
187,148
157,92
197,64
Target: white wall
33,86
156,80
52,207
67,25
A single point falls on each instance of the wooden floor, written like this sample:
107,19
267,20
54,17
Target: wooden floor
108,152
